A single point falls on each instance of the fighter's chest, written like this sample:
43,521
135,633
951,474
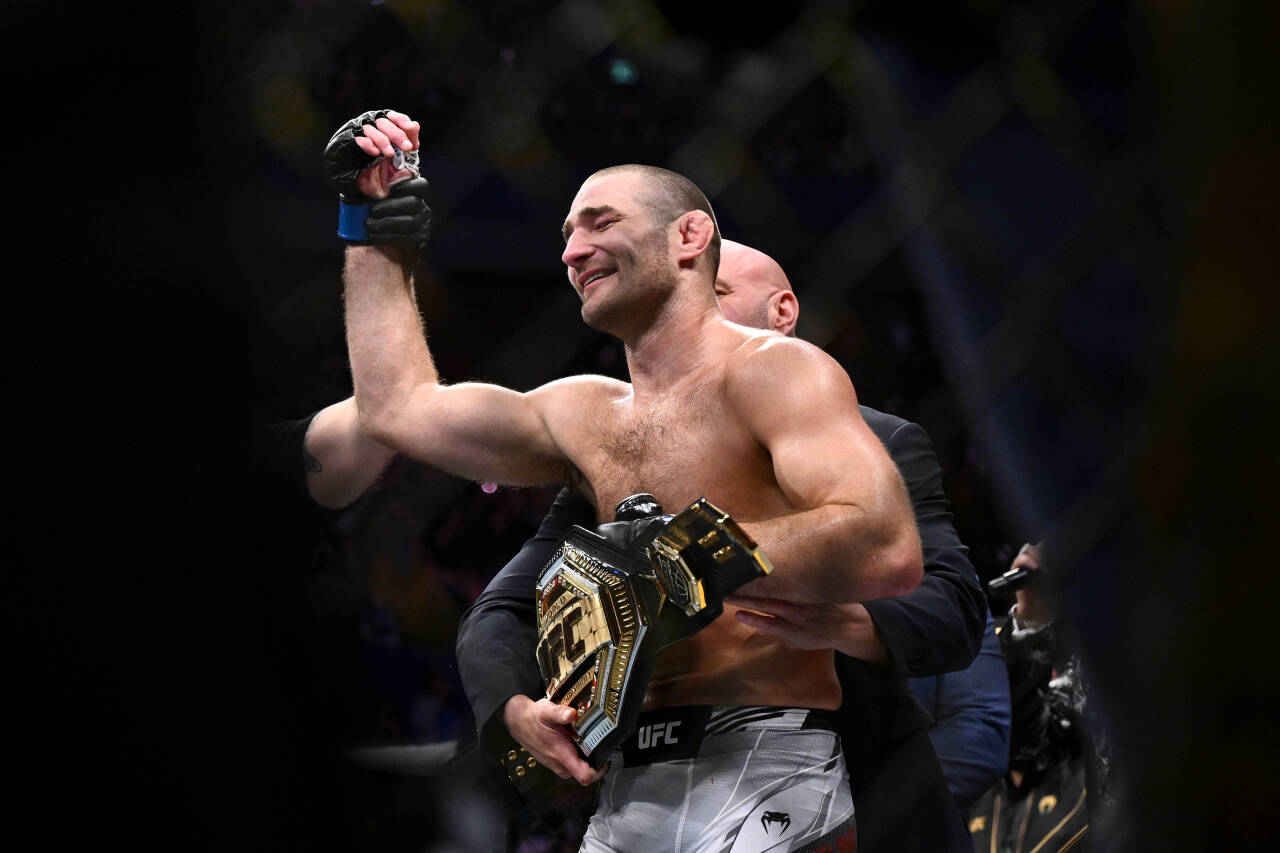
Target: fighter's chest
677,450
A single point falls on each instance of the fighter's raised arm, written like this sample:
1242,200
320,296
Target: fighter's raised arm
852,534
474,430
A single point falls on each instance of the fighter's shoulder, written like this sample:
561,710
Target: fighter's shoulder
583,388
768,358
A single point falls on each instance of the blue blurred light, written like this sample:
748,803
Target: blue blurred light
623,72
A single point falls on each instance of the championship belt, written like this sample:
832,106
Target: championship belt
605,610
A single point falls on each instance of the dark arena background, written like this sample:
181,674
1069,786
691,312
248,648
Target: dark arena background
1045,231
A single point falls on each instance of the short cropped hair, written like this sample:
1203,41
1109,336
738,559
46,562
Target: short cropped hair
671,195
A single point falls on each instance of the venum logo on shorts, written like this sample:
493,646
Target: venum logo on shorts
658,733
770,819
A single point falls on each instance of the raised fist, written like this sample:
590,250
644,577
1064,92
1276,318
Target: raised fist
362,140
361,163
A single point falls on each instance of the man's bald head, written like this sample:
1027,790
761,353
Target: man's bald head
754,290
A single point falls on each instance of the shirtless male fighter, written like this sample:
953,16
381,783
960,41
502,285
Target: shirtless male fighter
765,426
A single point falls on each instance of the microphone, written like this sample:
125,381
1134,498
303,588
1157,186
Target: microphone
1012,580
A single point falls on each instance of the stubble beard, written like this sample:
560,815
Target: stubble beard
636,299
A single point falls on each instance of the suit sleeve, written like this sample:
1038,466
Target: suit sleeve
497,636
287,527
939,626
972,710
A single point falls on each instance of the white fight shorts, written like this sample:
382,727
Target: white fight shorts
726,780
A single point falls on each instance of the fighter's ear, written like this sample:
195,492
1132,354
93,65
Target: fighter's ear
783,312
696,230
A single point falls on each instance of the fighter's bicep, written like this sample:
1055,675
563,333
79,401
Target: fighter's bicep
821,457
486,432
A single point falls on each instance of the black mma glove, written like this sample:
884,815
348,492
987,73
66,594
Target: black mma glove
639,517
344,161
693,601
402,218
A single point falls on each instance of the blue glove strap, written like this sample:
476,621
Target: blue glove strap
351,219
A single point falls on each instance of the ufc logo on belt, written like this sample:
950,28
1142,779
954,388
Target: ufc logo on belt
560,648
657,733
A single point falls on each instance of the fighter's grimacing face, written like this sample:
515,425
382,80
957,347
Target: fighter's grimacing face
615,254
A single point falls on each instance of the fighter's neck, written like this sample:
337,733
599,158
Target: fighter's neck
682,343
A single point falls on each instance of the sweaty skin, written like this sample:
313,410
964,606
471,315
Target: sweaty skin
767,427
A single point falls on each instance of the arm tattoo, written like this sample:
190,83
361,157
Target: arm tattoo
309,462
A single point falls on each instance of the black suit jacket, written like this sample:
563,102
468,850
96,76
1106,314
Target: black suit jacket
901,796
899,791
